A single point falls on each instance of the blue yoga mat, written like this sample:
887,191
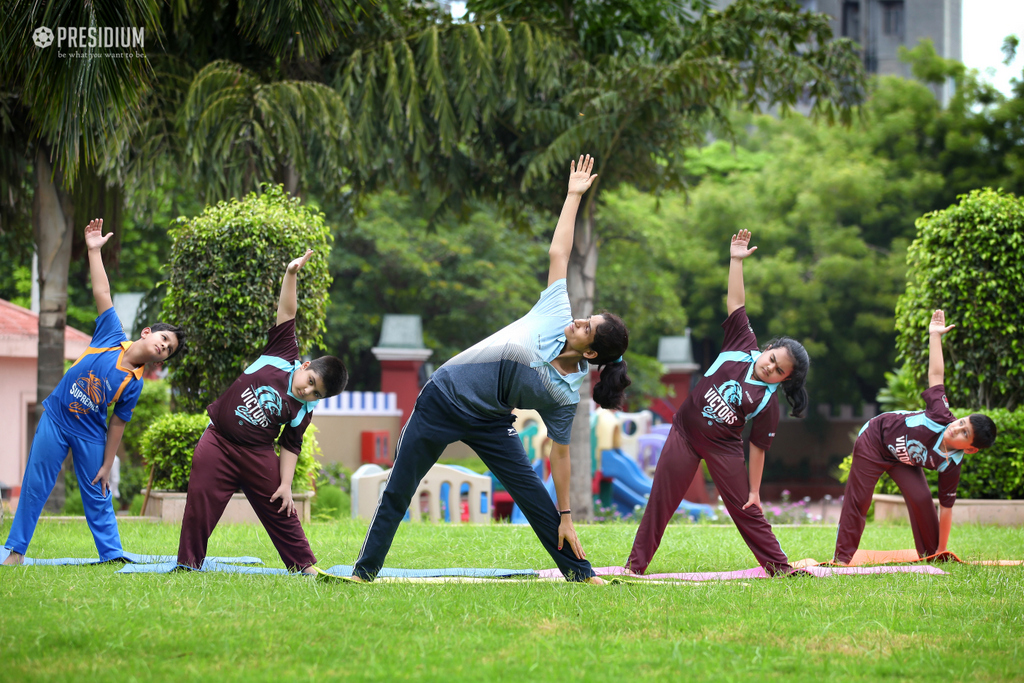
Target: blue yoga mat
386,572
130,557
210,564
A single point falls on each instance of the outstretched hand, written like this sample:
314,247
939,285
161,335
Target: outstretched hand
938,324
580,179
566,532
738,248
94,237
295,265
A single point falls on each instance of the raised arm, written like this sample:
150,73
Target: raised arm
94,241
288,304
561,242
936,366
738,251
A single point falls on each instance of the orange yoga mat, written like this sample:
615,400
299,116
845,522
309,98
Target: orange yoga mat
865,557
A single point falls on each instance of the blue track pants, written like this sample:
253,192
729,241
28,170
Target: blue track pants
49,449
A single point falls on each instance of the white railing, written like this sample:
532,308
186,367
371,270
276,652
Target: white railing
359,403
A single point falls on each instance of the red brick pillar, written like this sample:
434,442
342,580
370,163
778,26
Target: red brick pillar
400,372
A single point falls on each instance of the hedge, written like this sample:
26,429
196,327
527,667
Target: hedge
169,442
226,267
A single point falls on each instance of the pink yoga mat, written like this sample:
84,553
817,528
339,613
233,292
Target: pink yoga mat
755,573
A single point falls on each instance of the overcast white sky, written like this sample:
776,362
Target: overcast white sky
985,24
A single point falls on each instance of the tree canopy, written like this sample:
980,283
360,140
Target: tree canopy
226,267
968,260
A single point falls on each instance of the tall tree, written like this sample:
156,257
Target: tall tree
71,111
492,107
646,81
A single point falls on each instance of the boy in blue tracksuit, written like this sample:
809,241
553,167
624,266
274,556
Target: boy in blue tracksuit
75,416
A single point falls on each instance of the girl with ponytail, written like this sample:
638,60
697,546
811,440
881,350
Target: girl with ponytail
537,362
740,386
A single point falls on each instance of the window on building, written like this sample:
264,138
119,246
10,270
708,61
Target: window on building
851,20
892,19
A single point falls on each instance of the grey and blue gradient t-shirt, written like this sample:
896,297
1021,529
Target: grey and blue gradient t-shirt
512,369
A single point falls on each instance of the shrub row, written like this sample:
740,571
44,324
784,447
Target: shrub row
168,443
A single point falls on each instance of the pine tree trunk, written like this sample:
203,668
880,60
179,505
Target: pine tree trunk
580,285
53,225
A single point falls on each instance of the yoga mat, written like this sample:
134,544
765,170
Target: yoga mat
871,557
389,573
126,557
209,565
755,573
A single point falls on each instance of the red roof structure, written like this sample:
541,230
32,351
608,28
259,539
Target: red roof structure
19,334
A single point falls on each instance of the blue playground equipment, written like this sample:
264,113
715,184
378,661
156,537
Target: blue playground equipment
631,487
464,490
538,466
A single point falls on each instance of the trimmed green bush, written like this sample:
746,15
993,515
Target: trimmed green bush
308,464
135,508
225,276
334,474
330,503
969,261
167,447
170,441
995,473
154,402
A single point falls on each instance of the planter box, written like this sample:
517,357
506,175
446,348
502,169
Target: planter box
169,506
965,511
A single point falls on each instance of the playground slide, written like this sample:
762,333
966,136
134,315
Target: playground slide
630,486
538,466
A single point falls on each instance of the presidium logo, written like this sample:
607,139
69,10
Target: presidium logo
88,38
42,37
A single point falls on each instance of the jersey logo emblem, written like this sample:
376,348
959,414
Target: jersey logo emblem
259,404
909,451
720,401
88,390
512,431
945,401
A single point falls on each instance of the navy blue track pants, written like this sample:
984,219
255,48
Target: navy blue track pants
434,424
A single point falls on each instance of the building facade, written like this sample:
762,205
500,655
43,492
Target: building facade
881,27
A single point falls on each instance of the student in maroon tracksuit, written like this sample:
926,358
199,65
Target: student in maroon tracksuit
739,386
237,449
903,443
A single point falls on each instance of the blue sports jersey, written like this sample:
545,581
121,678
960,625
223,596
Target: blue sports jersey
512,369
98,378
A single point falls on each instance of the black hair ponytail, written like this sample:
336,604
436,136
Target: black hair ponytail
793,385
611,339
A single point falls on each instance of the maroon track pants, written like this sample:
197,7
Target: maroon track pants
868,465
677,465
219,468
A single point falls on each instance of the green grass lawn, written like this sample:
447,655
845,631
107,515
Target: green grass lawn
88,623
